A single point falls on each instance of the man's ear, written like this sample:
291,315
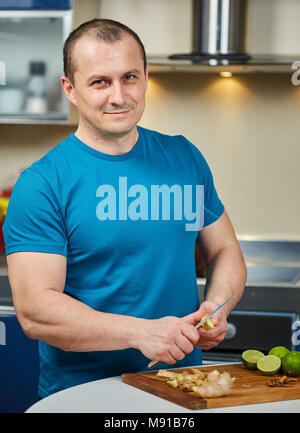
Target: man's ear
146,76
69,89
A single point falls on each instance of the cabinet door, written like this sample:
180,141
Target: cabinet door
31,63
35,4
19,370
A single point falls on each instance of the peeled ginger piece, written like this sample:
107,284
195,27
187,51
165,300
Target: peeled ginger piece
215,386
209,324
210,384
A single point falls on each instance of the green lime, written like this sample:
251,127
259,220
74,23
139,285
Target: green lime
269,365
279,351
250,358
291,363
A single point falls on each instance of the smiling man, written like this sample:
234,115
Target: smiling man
111,82
102,262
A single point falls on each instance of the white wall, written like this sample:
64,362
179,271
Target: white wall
248,129
274,27
163,25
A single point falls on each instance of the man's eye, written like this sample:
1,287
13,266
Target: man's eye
130,77
100,82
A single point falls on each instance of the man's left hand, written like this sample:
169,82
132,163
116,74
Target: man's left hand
212,337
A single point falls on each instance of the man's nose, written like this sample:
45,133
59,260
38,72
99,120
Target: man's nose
117,94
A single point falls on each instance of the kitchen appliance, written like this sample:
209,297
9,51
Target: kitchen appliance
267,315
220,36
219,32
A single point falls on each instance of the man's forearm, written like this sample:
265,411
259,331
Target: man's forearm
226,276
70,325
67,323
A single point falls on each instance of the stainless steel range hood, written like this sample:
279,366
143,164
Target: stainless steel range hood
220,27
220,39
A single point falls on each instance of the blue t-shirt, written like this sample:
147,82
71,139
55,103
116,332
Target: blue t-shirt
124,223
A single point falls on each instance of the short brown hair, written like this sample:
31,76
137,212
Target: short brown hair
107,30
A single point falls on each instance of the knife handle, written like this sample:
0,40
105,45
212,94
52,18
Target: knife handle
155,363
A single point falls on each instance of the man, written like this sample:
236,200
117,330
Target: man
100,256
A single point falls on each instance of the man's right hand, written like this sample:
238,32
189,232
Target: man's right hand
167,339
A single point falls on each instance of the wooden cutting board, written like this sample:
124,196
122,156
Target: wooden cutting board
250,387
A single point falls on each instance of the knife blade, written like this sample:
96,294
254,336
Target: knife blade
155,363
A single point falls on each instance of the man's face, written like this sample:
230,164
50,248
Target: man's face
109,85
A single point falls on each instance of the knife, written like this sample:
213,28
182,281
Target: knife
155,363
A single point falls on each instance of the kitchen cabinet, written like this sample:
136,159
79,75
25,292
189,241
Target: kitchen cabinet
19,371
31,62
30,41
35,4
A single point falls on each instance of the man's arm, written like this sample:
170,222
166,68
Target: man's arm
46,313
226,269
226,276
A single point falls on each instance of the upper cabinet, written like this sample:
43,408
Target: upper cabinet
31,64
32,35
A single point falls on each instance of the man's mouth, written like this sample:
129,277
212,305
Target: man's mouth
117,113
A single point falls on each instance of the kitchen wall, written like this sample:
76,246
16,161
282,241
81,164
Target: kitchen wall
165,25
246,126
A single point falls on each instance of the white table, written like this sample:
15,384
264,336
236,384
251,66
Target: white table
113,396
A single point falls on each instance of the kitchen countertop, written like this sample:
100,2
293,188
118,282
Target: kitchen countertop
113,396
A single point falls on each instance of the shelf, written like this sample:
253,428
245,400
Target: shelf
258,64
48,118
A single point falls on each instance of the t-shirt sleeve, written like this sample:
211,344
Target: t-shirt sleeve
213,206
34,220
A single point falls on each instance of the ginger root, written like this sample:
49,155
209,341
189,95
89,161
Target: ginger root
217,386
211,384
